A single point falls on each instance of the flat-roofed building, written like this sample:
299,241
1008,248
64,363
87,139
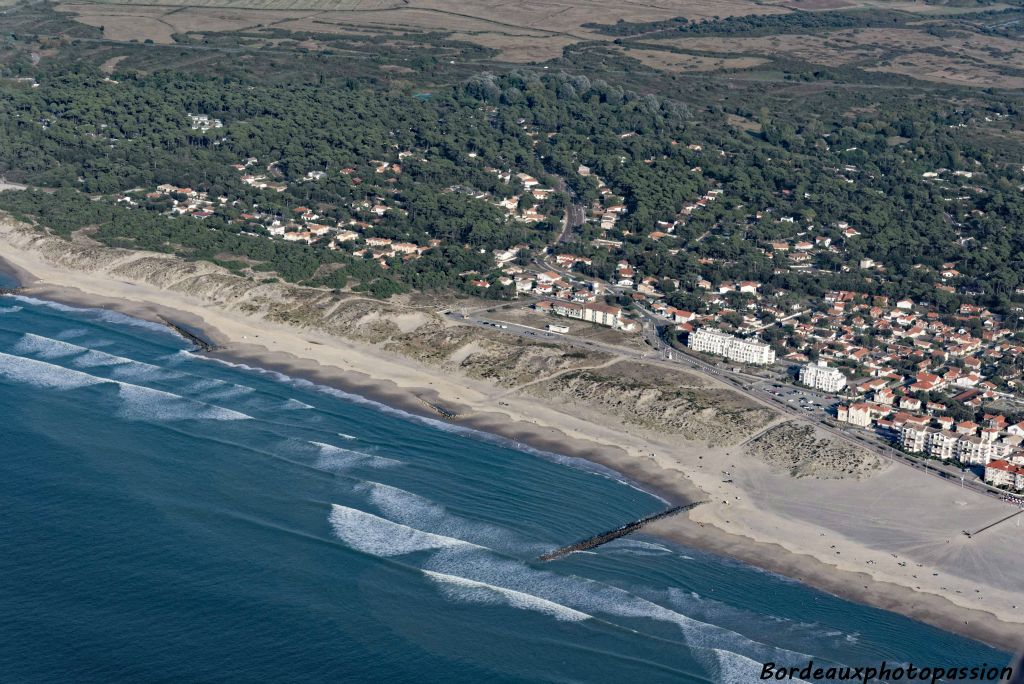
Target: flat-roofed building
731,347
820,376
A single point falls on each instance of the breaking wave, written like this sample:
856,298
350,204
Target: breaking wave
380,537
97,314
10,309
296,405
421,513
145,403
140,403
46,348
479,569
462,589
336,459
83,357
43,375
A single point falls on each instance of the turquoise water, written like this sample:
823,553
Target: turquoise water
168,517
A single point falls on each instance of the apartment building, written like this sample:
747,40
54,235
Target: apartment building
731,347
1002,473
591,312
820,376
967,448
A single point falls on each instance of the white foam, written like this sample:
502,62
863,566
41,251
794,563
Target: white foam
140,403
735,668
337,459
72,333
296,405
462,589
123,368
596,598
137,371
638,547
421,513
457,557
98,314
380,537
344,436
718,648
146,403
97,359
43,375
46,348
10,309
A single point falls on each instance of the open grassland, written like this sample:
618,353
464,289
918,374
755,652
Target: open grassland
674,61
958,57
531,31
932,43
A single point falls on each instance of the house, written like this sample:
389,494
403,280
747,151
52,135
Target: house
749,286
910,403
680,316
860,414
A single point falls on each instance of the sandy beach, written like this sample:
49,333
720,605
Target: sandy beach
893,540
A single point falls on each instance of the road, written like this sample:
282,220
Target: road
798,403
575,214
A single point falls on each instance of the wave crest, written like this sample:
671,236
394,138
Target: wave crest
336,459
381,537
460,588
140,403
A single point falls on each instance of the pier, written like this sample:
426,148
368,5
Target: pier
605,537
200,343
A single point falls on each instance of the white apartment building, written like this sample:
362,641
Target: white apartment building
731,347
590,312
966,448
820,376
1004,474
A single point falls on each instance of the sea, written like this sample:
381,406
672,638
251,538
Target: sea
167,517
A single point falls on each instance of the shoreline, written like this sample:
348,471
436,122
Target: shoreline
671,485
